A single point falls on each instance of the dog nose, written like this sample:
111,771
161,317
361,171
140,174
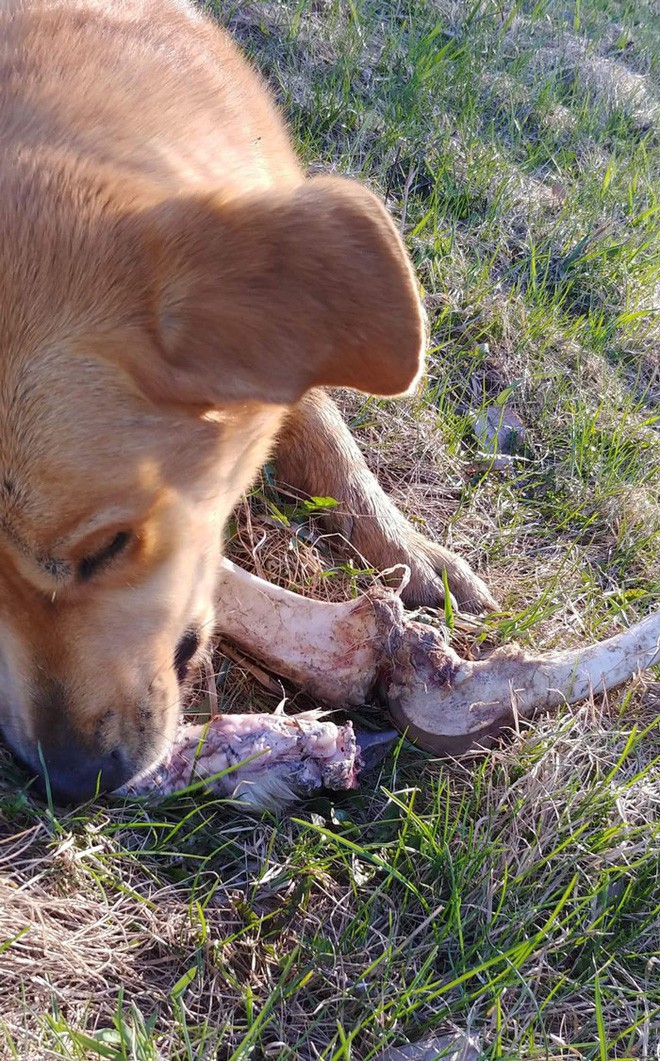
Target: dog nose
73,775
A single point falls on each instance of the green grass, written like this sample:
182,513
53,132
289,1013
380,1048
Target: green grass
516,898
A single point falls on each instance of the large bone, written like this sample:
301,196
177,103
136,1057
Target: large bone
344,653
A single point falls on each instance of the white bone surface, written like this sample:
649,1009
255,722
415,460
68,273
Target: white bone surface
345,652
331,650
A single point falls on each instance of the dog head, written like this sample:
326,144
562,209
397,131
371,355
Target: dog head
149,350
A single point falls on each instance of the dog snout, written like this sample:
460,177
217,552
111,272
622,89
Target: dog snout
73,773
74,753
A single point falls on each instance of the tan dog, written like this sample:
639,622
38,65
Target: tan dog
172,286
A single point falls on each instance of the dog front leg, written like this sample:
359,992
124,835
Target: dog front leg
317,455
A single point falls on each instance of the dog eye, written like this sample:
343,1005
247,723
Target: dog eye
89,565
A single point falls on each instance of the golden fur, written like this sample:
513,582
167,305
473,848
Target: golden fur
172,286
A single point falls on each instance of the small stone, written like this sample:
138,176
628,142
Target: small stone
456,1046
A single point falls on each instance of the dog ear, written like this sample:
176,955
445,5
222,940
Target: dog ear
267,296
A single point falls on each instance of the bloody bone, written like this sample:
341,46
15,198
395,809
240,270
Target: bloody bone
263,760
344,653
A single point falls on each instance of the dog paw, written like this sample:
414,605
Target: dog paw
386,544
427,561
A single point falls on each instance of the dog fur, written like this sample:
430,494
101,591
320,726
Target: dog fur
175,292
